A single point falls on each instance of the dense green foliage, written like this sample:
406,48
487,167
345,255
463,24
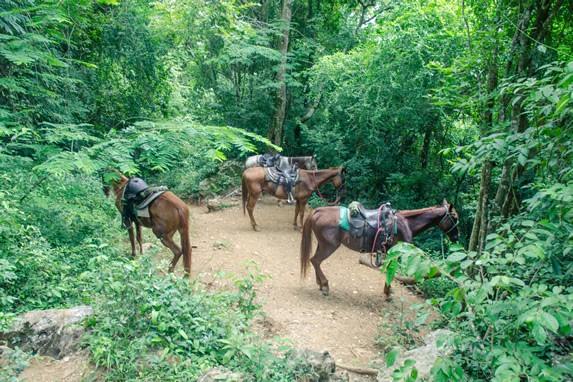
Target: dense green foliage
420,100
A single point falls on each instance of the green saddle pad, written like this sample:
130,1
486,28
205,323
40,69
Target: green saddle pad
343,222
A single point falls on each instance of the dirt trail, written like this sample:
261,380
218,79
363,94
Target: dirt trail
346,323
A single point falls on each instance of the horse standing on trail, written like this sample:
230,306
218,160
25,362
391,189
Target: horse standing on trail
254,182
167,214
324,222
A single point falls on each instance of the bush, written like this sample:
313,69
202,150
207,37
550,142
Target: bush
164,327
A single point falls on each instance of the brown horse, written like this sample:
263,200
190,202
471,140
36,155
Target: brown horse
324,221
254,183
168,214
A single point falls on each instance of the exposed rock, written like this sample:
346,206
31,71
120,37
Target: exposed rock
217,204
214,205
424,357
54,332
219,374
316,366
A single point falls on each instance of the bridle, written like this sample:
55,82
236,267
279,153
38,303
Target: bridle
342,184
449,216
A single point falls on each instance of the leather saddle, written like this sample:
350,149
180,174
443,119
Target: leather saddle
269,160
137,196
287,177
375,227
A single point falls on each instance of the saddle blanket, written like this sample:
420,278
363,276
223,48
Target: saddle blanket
343,222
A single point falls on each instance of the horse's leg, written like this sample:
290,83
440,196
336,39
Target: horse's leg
167,240
323,251
138,236
252,201
296,212
132,240
301,211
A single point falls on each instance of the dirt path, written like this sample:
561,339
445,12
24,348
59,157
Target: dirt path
346,323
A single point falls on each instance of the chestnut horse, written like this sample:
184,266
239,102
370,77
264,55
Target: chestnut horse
168,214
324,221
254,183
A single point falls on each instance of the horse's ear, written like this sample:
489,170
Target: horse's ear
448,206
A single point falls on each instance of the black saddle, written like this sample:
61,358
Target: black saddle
137,195
287,177
269,160
375,227
133,187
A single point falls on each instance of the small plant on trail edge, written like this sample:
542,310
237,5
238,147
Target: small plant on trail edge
401,331
154,327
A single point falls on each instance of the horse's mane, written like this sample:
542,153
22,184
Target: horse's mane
408,213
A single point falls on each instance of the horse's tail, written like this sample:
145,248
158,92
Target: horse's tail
185,242
244,192
306,245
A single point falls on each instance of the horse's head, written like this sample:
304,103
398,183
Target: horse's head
450,222
113,180
312,163
340,180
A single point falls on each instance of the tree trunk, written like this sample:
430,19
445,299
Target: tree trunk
507,199
276,130
481,218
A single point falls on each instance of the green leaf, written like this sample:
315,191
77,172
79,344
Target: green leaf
456,257
154,315
548,321
183,334
391,271
539,334
391,357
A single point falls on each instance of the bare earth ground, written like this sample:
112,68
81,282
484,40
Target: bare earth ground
346,323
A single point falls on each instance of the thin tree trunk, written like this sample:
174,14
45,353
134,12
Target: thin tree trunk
481,212
507,199
276,130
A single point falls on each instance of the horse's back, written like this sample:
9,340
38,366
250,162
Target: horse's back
169,210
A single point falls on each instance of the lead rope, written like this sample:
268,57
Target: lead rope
320,195
442,240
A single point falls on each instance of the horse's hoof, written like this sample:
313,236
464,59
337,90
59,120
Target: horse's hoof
325,292
257,229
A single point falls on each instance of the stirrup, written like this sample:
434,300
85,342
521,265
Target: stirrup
290,199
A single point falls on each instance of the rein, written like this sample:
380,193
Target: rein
320,194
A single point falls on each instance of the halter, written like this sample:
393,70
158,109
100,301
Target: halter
448,215
320,194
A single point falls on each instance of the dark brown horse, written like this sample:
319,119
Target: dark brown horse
324,221
168,214
254,183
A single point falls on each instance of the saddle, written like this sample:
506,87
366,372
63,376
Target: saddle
287,177
269,160
136,198
376,227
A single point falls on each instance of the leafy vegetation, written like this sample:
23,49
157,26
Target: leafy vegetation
420,100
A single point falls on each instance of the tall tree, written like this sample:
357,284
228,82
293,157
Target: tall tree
276,129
